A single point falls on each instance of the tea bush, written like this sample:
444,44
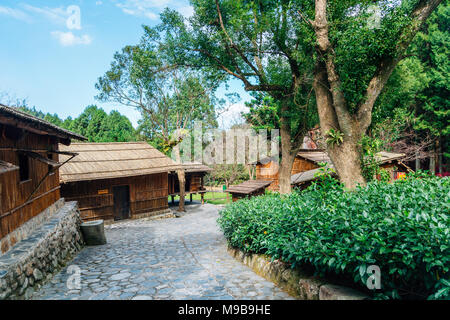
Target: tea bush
402,227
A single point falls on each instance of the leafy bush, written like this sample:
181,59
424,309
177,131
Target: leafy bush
402,227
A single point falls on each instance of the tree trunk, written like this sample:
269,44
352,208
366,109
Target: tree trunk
433,161
439,156
417,164
346,156
285,173
181,179
287,158
331,103
347,163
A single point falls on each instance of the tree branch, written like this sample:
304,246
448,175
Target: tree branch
234,46
419,15
326,50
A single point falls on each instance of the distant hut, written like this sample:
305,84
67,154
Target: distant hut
115,181
391,162
306,159
247,189
29,169
195,173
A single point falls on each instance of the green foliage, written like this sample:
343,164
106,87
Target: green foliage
432,48
170,97
227,174
370,167
93,123
326,177
403,227
264,44
334,137
416,95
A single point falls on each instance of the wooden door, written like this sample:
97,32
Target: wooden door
121,202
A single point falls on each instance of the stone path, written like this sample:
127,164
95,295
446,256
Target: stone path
178,258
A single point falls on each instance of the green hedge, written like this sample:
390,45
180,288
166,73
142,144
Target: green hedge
402,227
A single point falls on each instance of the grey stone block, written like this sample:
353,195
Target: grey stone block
94,232
334,292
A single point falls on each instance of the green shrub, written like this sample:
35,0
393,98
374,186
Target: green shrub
402,227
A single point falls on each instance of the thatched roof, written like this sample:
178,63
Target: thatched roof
191,167
112,160
19,119
306,176
249,186
314,155
385,157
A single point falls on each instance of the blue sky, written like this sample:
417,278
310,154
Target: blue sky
54,62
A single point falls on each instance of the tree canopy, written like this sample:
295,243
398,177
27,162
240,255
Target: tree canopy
93,123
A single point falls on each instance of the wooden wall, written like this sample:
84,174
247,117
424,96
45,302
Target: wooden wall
96,201
14,208
237,196
270,171
194,183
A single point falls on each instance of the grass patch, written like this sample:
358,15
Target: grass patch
215,198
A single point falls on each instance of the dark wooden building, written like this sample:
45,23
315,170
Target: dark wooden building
115,181
391,162
29,162
195,173
305,160
249,188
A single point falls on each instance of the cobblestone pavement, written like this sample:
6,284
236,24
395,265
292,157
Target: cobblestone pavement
178,258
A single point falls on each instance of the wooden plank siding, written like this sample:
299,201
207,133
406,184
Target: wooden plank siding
194,183
270,171
95,198
15,208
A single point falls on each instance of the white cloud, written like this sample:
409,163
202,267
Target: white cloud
56,15
68,39
14,13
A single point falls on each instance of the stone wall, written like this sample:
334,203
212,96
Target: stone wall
34,260
28,227
294,281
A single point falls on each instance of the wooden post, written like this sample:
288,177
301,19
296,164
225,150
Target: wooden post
173,199
439,156
433,162
417,161
202,195
190,197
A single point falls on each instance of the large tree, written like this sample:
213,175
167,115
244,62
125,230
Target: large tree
169,97
259,43
354,61
348,47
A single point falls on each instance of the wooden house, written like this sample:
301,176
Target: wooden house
306,159
115,181
249,188
29,168
391,162
195,173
